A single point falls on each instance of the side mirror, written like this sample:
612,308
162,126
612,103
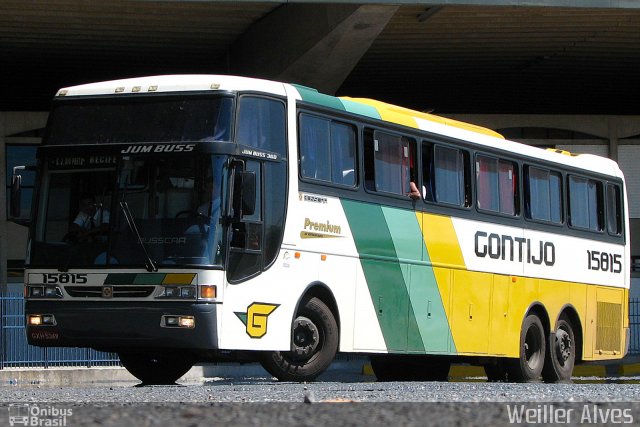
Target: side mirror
16,192
244,194
248,192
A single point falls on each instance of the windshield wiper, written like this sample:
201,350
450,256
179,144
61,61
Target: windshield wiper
150,265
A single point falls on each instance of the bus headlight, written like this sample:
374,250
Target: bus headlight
36,291
188,292
187,322
52,292
177,292
44,292
41,320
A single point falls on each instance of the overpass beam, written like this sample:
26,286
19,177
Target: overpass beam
317,45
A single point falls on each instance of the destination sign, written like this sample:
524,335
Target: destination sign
80,162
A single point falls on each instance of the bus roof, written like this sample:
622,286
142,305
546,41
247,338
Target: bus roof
174,83
365,107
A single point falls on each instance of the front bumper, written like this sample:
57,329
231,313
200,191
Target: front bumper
113,326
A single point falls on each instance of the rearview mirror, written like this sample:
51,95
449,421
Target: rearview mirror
244,194
16,192
248,192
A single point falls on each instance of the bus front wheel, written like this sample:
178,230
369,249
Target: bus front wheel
561,353
528,366
314,345
159,367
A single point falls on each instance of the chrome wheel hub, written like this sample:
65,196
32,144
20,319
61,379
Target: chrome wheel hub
305,337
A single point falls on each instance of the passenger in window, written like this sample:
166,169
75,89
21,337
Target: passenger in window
414,193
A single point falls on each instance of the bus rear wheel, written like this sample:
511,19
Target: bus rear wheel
528,366
314,343
156,367
561,353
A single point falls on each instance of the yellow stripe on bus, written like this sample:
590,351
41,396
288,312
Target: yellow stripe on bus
441,240
387,114
178,279
405,116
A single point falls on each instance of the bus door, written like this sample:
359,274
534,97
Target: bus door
245,221
256,215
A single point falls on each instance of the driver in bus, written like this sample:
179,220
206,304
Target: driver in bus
91,223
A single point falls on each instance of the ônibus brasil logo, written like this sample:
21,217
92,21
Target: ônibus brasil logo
25,414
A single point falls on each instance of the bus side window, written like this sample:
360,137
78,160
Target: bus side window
369,170
391,158
314,147
449,177
327,150
497,183
343,154
543,195
585,203
427,171
261,124
614,215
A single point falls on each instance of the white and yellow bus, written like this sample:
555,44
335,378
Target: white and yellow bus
195,218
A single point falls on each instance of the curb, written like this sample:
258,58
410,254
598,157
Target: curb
340,370
74,376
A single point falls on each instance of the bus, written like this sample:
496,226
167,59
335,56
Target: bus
207,218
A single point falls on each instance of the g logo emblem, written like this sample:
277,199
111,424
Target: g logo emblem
255,319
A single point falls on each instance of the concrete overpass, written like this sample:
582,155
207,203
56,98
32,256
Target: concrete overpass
471,56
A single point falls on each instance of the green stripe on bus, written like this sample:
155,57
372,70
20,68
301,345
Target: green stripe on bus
402,225
400,279
120,278
315,97
426,310
405,234
382,271
149,279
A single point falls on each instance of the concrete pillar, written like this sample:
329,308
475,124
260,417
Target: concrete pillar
316,45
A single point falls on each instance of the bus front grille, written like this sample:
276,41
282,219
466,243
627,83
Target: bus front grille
115,292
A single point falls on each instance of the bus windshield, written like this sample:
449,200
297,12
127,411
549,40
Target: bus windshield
141,119
145,210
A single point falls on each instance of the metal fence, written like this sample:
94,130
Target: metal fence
15,351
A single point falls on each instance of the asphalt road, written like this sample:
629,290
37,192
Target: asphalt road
263,402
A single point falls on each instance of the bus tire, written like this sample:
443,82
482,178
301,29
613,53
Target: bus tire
409,368
528,366
157,367
314,337
561,353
